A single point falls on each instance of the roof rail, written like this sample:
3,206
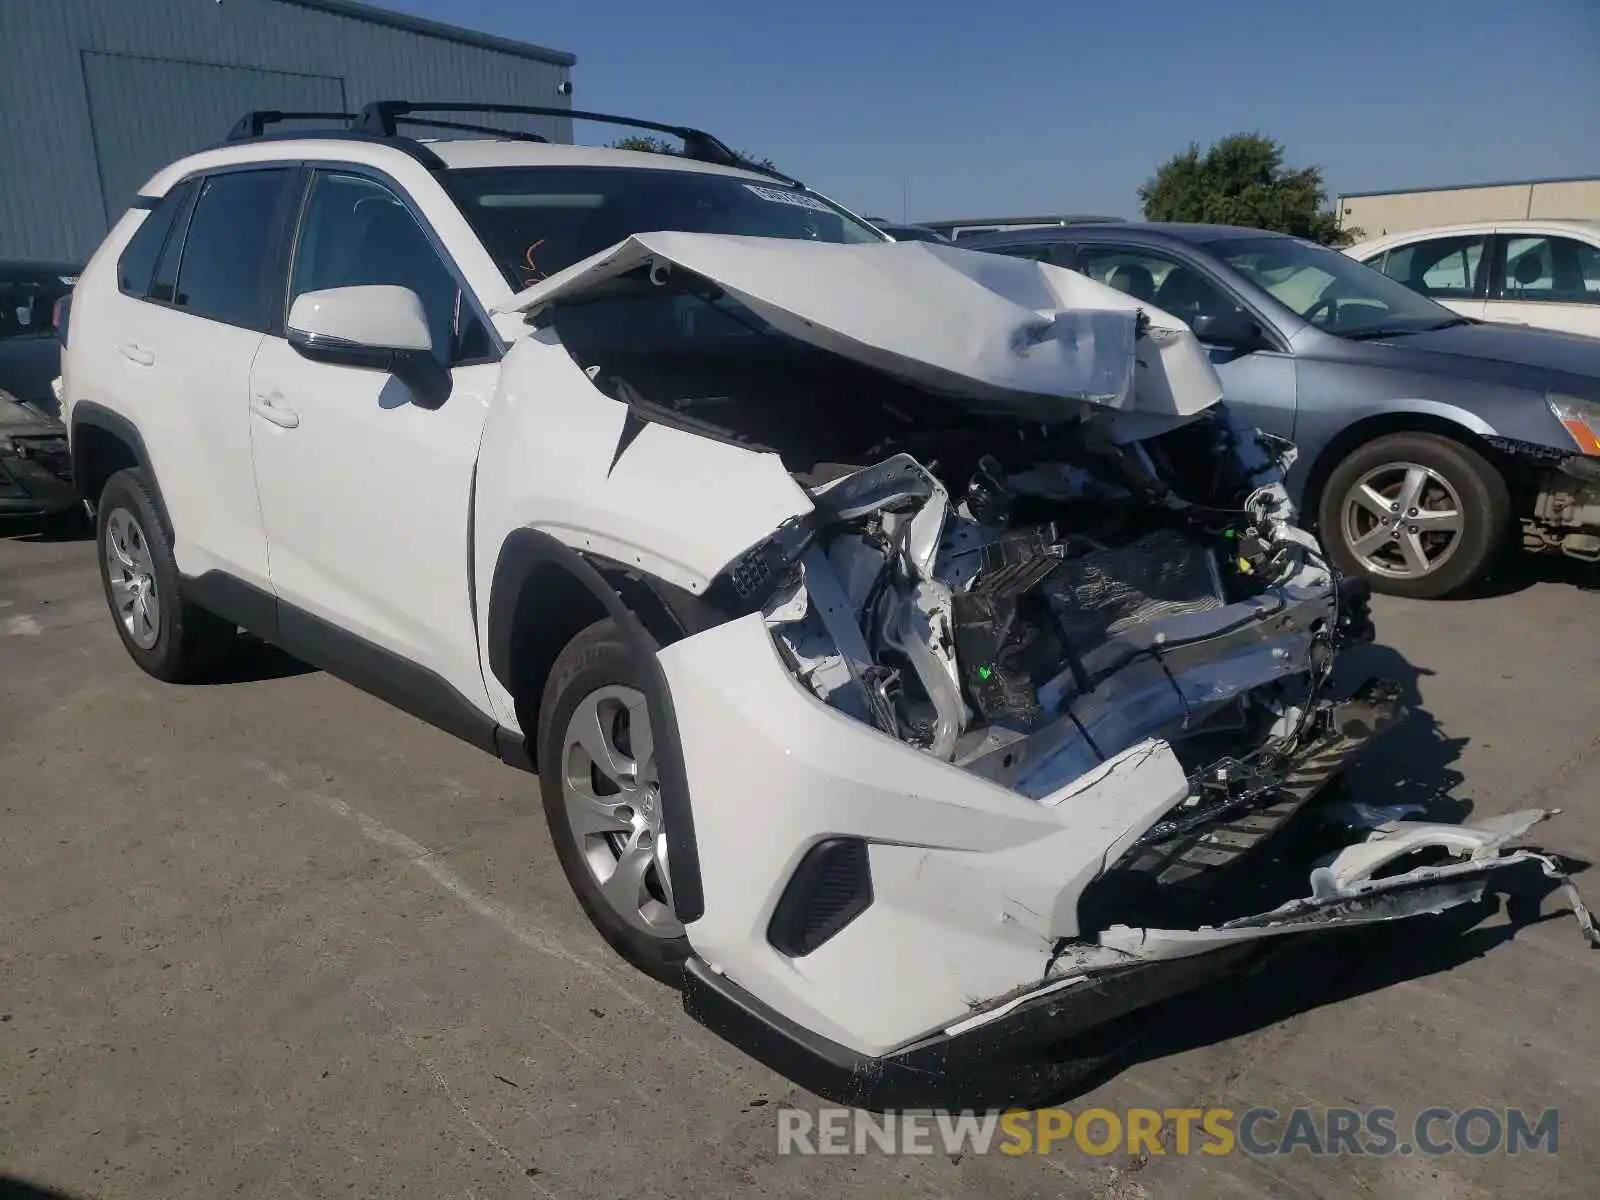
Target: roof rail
254,124
252,128
382,118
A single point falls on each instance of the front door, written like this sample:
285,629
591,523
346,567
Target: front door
366,496
1257,384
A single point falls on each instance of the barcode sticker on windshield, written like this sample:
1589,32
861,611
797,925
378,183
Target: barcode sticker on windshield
784,196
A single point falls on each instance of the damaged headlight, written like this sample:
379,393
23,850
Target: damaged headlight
1580,418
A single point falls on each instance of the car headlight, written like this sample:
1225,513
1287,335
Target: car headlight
1581,418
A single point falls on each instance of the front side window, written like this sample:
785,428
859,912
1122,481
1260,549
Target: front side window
229,246
536,221
1158,280
1556,269
1444,268
1330,290
357,233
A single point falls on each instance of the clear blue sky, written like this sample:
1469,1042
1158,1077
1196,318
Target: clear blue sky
1070,109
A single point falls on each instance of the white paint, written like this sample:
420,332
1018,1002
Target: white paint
1024,336
23,626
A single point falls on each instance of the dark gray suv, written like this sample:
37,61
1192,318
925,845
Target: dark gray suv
1428,442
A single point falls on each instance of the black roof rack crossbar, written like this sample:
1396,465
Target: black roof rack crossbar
514,134
380,119
254,124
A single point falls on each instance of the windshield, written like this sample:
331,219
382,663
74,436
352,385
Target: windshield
539,220
1331,290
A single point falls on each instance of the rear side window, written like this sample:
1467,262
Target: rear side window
138,261
164,286
231,243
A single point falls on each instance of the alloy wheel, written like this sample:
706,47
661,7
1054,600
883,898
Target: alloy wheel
131,571
1402,520
613,806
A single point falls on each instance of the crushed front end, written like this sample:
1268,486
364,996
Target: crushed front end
980,742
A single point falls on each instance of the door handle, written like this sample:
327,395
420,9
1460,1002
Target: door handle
136,353
270,407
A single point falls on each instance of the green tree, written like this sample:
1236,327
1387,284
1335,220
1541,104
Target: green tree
1242,180
655,145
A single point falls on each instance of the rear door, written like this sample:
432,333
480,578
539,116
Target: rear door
186,338
1545,280
1258,382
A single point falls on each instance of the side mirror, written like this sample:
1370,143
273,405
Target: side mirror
1236,330
378,327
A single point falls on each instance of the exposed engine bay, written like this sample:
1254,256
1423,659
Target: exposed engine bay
1023,585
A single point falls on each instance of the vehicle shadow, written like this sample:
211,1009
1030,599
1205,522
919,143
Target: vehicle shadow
1518,572
12,1188
62,527
255,661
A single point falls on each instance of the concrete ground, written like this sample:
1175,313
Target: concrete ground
273,938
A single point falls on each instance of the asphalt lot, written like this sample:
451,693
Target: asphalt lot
273,938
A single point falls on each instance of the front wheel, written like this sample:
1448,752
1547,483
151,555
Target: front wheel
602,799
1417,514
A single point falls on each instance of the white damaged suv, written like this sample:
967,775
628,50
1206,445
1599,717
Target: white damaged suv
912,654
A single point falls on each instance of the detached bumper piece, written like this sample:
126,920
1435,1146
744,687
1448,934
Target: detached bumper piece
35,474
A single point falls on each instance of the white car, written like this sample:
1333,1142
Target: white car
910,650
1544,273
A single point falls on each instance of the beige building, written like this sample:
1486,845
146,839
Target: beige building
1378,213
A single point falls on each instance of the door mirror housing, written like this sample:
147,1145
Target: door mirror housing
377,327
1236,330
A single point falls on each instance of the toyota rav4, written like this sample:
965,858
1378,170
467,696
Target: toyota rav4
912,653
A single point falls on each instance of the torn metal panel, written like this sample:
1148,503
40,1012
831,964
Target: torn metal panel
1026,339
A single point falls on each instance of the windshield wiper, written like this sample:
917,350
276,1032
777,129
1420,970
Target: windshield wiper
1386,331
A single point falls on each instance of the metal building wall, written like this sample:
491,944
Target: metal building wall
96,95
1376,214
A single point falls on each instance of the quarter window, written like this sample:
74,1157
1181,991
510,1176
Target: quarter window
356,233
1444,268
229,247
1556,269
138,261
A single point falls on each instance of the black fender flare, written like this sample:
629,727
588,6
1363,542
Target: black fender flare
86,413
523,553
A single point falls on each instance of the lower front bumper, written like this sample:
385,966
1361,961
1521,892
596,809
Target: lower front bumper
28,489
1038,1048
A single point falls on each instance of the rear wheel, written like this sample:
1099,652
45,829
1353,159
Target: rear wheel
168,637
602,799
1417,514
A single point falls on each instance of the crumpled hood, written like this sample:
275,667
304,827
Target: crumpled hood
17,418
1030,339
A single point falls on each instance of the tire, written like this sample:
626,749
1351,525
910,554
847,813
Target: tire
1452,550
613,856
169,638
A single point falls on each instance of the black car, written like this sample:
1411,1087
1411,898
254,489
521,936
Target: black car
30,353
35,470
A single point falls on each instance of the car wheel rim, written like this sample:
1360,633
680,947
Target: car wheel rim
131,572
1403,520
612,795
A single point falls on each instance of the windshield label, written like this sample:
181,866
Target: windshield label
794,199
